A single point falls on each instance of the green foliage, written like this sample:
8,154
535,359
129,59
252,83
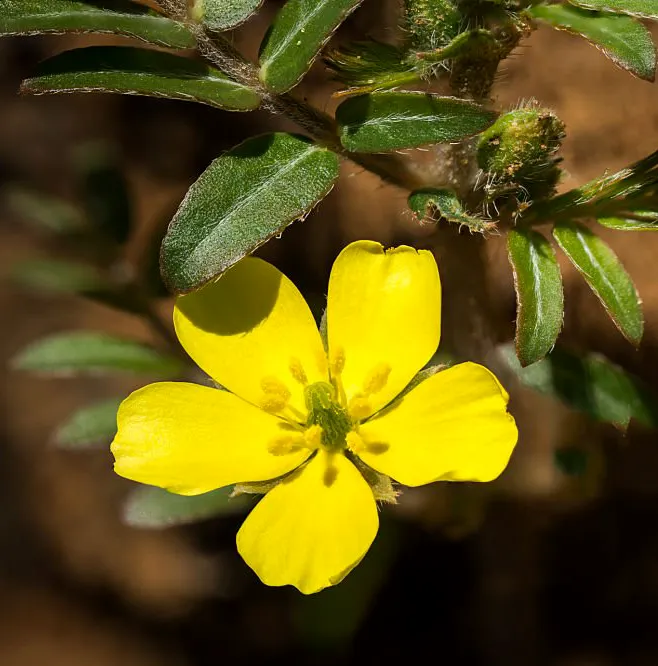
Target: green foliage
32,17
539,294
59,276
132,71
443,204
387,121
224,14
148,507
245,197
298,33
589,383
643,8
89,352
44,212
605,275
627,194
105,193
641,221
623,39
89,427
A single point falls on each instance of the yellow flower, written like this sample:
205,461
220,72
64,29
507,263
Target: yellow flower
298,414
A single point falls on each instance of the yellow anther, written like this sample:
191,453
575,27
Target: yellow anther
272,403
297,371
337,362
354,442
377,378
359,407
313,437
275,387
284,444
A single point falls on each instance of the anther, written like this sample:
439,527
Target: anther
354,442
313,437
377,378
337,362
276,395
359,407
297,371
281,446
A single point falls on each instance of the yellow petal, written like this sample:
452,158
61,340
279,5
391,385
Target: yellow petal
383,321
192,439
253,332
313,528
454,426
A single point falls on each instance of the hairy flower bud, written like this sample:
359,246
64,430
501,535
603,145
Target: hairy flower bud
518,152
431,24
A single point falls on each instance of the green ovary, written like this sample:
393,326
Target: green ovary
325,412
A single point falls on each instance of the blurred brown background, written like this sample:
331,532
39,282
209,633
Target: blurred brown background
550,570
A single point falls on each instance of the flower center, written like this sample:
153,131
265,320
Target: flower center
325,412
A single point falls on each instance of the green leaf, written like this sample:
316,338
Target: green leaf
641,221
244,197
628,193
571,461
133,71
49,213
643,8
104,191
590,384
388,121
605,275
58,276
224,14
89,352
90,426
300,30
153,508
539,294
34,17
623,39
437,204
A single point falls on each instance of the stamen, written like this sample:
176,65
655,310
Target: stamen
355,442
276,395
337,362
359,407
272,403
297,371
285,444
376,379
313,437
